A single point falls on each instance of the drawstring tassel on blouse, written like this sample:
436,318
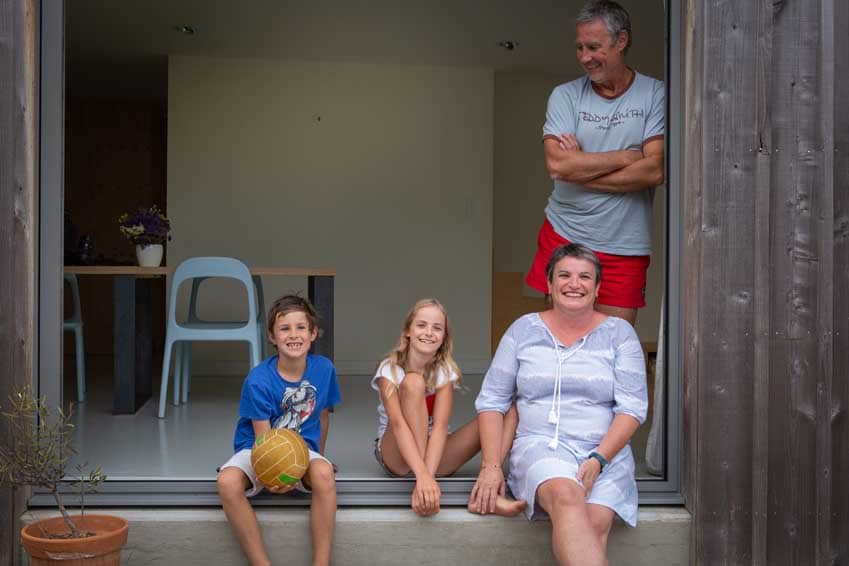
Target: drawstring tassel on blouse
554,412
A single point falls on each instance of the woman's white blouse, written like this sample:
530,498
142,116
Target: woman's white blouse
601,375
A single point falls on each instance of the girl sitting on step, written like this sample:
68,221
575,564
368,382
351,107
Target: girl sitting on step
416,383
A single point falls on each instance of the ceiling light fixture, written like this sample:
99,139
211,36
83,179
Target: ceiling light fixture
508,45
185,29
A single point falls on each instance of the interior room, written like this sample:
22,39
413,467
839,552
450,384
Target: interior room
394,143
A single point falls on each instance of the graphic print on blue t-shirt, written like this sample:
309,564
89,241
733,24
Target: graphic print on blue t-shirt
298,404
269,396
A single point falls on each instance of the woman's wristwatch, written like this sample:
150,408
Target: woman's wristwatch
599,458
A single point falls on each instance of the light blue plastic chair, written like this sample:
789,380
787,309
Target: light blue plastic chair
203,331
183,371
75,324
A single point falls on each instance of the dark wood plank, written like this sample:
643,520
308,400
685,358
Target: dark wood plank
762,150
822,212
692,198
836,21
796,92
766,310
17,228
782,420
726,269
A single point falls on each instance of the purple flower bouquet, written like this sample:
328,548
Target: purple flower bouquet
145,226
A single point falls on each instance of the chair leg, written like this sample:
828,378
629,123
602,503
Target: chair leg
163,384
178,369
255,359
262,341
187,370
78,338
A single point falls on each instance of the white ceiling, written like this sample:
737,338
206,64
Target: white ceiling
121,46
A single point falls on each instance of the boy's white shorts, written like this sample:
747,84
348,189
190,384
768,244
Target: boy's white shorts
242,460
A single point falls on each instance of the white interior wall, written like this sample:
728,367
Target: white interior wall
381,172
521,184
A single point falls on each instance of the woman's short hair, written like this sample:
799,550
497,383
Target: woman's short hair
614,16
579,251
292,303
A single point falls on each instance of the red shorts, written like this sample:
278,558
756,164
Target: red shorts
623,277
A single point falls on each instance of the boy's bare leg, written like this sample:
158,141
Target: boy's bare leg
322,481
232,483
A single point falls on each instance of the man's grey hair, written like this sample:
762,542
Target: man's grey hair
614,16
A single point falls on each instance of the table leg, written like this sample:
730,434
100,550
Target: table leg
144,342
320,293
132,347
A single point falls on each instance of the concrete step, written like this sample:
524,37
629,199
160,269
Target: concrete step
380,536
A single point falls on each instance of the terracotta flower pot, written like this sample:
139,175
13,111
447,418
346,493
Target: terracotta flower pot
103,549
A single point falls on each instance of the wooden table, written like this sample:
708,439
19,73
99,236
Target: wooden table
132,346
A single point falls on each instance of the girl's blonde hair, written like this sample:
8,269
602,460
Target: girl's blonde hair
441,361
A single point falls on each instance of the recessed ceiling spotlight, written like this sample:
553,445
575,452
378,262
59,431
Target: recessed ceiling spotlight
185,29
508,45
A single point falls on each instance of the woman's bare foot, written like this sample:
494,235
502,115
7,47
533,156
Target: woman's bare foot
509,507
503,506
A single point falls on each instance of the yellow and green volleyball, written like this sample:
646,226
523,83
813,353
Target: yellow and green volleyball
280,457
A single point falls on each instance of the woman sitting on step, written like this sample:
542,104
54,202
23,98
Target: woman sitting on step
579,381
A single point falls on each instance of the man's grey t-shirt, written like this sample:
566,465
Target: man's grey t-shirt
615,223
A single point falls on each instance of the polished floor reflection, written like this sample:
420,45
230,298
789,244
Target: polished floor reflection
194,439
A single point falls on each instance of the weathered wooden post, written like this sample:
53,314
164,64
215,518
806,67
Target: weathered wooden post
767,273
17,224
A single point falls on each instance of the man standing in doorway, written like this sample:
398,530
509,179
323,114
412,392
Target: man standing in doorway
603,140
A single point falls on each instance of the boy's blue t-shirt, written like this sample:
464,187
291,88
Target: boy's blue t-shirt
296,405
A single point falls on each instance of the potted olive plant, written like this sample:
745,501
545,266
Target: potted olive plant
36,452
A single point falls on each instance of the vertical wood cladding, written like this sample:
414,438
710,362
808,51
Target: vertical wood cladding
836,22
766,317
17,226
